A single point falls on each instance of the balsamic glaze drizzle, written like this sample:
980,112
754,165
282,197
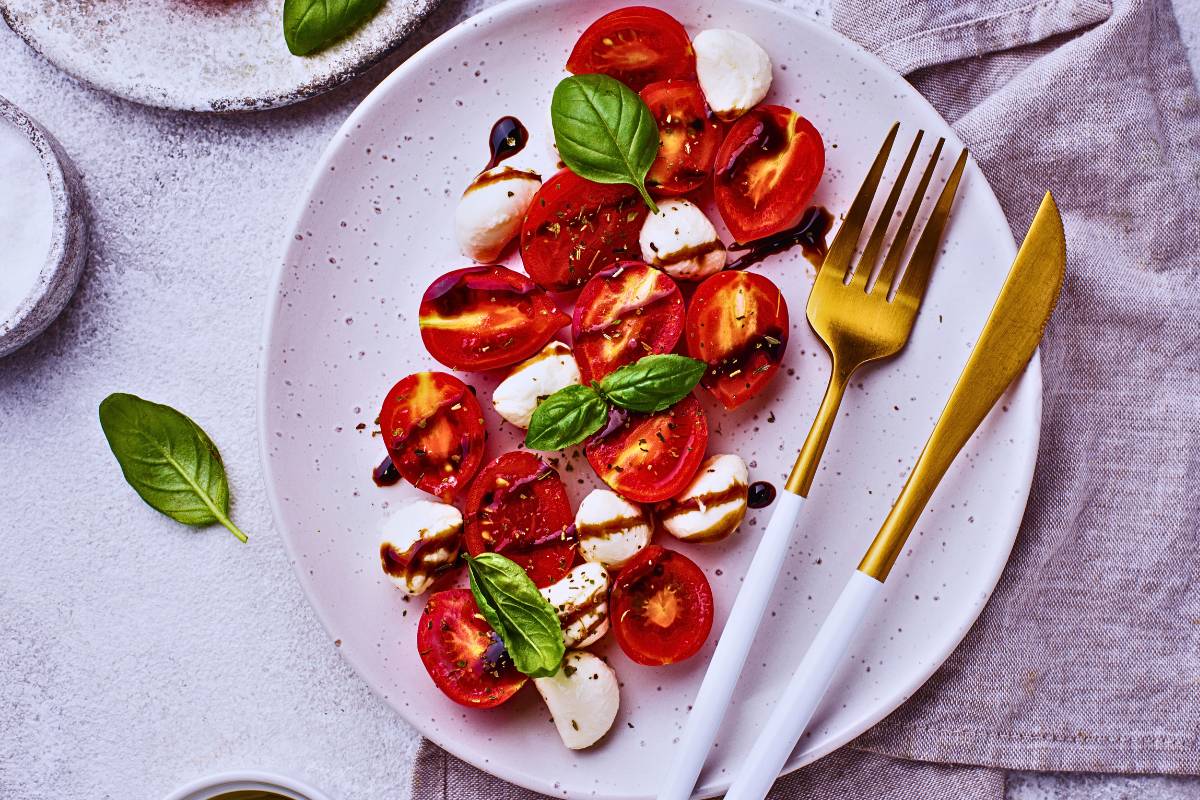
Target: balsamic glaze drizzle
809,233
386,473
760,495
508,137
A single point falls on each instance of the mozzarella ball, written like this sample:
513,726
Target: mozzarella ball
611,529
583,698
420,540
713,504
490,212
734,71
681,241
580,599
534,380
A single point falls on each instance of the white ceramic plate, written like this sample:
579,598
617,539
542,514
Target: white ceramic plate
375,228
200,55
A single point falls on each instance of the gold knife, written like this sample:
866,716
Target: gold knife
1009,338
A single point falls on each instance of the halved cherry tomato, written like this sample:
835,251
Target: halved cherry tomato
737,323
662,607
486,317
636,45
462,654
650,457
688,137
519,508
623,313
433,430
574,228
766,171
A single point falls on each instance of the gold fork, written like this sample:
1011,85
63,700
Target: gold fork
859,321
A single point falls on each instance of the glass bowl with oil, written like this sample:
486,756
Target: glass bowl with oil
247,786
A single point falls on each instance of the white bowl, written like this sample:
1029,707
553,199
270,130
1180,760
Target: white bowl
216,785
60,272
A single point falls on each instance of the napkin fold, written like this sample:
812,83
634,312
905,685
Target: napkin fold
1087,656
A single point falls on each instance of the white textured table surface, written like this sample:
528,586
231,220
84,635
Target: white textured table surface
136,654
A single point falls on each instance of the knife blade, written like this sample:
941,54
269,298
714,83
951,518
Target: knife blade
1009,338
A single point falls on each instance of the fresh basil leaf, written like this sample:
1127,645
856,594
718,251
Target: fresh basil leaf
566,417
604,132
652,383
311,25
168,460
518,613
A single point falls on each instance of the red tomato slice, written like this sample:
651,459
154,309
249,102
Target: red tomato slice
623,313
650,457
737,324
688,137
575,228
636,45
518,507
766,171
433,430
661,607
462,654
481,318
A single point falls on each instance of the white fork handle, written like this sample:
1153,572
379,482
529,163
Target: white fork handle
712,700
803,695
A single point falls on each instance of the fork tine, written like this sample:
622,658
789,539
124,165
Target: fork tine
916,276
840,252
891,262
870,255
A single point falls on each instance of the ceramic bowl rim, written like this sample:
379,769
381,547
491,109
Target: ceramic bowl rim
61,258
203,788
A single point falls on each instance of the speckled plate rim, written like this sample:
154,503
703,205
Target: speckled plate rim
334,75
1028,387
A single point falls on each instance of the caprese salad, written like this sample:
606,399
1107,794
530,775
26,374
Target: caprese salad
628,305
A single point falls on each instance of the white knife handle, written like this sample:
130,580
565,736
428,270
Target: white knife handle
795,708
726,665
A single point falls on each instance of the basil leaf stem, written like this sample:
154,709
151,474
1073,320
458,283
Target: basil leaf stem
566,417
312,25
604,132
168,460
518,613
652,383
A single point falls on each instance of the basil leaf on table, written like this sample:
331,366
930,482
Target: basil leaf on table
566,417
310,25
518,613
168,460
652,383
604,132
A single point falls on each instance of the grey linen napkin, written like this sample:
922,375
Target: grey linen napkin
1087,657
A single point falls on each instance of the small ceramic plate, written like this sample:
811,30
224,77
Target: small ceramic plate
375,227
200,55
